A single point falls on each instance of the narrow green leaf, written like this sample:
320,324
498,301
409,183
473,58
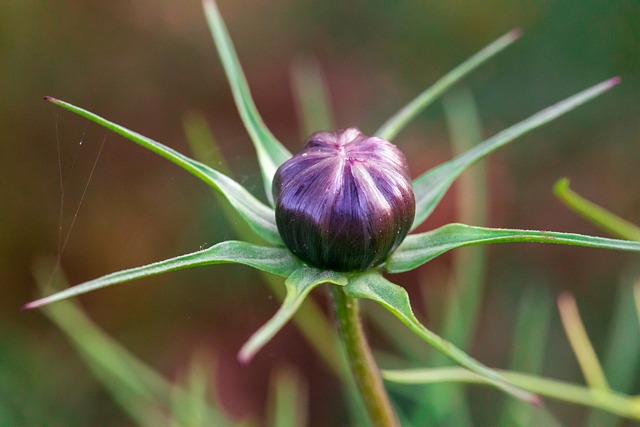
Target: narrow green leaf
395,299
298,285
431,186
271,153
277,261
260,217
418,249
627,406
594,213
398,121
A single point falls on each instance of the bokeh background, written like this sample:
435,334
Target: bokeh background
145,64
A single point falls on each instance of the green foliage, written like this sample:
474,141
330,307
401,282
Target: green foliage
399,120
299,284
277,261
418,249
617,403
143,393
271,153
395,299
130,381
259,216
431,186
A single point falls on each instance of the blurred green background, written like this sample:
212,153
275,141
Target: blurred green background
144,64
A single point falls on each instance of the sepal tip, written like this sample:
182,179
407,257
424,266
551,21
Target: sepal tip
515,34
614,81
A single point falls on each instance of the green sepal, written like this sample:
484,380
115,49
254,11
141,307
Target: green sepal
418,249
396,300
271,153
260,217
277,261
430,187
299,284
399,120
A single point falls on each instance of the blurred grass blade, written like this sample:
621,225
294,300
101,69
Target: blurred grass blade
623,349
271,153
418,249
636,297
139,390
205,149
395,299
621,353
260,217
278,261
448,403
431,186
529,346
626,406
580,343
192,412
202,143
465,291
594,213
311,96
403,340
288,399
398,121
298,285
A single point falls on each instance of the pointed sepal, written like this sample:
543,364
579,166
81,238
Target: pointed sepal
418,249
398,121
258,216
299,284
271,153
396,300
431,186
277,261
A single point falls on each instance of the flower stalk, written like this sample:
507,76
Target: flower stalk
361,362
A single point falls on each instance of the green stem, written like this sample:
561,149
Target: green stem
363,366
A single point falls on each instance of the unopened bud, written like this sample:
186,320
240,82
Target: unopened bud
345,201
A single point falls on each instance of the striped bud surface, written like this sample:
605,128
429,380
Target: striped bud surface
345,201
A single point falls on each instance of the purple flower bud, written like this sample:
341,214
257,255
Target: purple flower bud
345,201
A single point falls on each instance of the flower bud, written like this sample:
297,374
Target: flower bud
345,201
